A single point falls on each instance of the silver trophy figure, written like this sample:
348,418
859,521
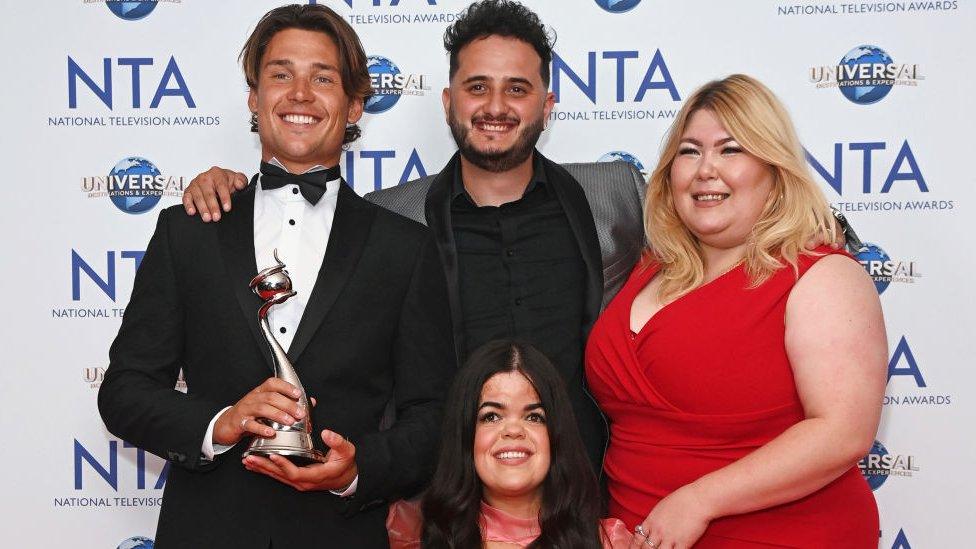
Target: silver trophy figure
294,441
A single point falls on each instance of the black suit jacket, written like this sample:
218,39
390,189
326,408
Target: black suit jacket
605,216
375,331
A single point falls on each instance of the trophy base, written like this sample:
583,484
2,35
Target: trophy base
294,445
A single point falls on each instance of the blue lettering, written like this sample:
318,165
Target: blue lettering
657,64
620,56
912,369
110,475
560,67
104,92
834,179
172,71
78,264
914,174
377,157
135,63
378,3
413,163
867,148
901,540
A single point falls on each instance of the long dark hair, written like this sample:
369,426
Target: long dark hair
570,511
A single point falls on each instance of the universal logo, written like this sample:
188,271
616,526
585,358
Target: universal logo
134,185
866,74
879,465
131,10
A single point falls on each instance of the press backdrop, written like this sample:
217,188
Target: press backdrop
148,94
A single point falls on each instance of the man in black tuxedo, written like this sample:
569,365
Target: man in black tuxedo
369,329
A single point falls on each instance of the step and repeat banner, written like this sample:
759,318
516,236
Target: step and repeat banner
111,107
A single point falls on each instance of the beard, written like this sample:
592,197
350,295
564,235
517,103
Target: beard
493,159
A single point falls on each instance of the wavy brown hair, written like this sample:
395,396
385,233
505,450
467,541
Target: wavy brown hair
356,82
795,213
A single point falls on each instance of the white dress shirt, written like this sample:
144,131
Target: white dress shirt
285,221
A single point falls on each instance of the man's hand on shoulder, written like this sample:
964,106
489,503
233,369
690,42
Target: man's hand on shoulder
336,473
209,192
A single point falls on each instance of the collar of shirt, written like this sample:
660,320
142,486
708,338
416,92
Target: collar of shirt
459,193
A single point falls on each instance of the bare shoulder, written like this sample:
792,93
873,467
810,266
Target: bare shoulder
837,276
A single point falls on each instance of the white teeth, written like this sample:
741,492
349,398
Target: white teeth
511,455
299,119
493,128
703,197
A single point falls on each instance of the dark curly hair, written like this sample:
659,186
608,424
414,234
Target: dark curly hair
315,17
500,18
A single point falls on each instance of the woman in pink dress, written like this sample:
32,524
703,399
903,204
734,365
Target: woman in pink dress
511,471
742,371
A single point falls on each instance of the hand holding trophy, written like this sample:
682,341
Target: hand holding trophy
293,441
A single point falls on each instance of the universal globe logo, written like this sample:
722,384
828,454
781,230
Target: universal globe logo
882,269
866,74
137,542
879,465
617,6
134,185
389,84
131,11
622,156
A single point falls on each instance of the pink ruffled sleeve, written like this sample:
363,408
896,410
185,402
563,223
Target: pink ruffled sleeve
403,524
615,534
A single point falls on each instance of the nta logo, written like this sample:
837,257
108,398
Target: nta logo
866,74
617,6
104,91
389,84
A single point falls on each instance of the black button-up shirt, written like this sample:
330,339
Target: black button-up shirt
520,273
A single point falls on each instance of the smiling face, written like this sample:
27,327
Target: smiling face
301,106
497,103
511,441
719,190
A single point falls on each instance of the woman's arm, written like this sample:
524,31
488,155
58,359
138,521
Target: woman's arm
835,339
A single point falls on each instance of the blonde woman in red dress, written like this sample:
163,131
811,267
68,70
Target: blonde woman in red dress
741,371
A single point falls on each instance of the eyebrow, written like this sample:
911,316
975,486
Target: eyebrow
694,141
289,63
509,80
491,404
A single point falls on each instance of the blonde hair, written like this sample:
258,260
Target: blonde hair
795,213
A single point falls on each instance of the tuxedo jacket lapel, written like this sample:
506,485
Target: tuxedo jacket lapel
236,235
438,212
577,210
350,228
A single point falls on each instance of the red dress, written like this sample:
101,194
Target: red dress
705,382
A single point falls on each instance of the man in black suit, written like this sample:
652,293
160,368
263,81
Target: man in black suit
369,329
531,249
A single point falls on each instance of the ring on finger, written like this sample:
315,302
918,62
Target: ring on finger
639,530
649,543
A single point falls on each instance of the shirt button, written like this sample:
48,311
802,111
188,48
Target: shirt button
294,190
291,221
510,252
283,329
518,301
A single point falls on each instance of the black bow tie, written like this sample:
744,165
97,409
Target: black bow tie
311,185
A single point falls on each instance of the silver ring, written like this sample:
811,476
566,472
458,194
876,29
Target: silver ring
243,423
650,544
639,530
